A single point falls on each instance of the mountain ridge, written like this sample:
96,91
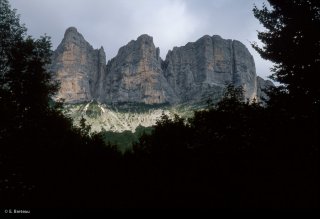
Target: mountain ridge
137,86
191,73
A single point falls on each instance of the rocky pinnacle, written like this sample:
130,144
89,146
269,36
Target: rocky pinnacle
190,73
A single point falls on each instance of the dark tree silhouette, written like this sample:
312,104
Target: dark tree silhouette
11,32
44,159
292,41
235,153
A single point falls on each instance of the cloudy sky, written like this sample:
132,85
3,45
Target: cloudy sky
113,23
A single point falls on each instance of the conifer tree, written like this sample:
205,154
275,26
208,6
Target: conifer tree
292,41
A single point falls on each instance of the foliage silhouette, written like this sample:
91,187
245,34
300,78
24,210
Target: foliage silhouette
291,41
44,160
235,153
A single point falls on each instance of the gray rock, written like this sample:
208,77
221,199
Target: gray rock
262,87
244,72
78,67
98,87
204,67
135,75
192,73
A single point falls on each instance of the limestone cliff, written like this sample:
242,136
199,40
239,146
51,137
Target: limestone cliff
199,69
135,75
262,86
78,67
190,74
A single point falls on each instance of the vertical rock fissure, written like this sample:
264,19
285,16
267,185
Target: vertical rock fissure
233,64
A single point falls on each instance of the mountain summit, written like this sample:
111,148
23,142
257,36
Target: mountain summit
189,74
199,70
135,75
78,67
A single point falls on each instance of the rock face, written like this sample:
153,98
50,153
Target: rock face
189,74
262,85
78,67
207,65
135,75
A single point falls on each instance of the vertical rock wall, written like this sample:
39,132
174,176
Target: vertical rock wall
78,67
191,73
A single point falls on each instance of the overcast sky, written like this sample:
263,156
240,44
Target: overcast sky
113,23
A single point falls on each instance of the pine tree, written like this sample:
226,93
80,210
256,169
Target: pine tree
11,33
26,86
41,153
292,41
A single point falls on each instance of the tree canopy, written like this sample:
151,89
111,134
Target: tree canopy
292,42
43,157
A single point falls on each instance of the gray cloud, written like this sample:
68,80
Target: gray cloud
112,24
